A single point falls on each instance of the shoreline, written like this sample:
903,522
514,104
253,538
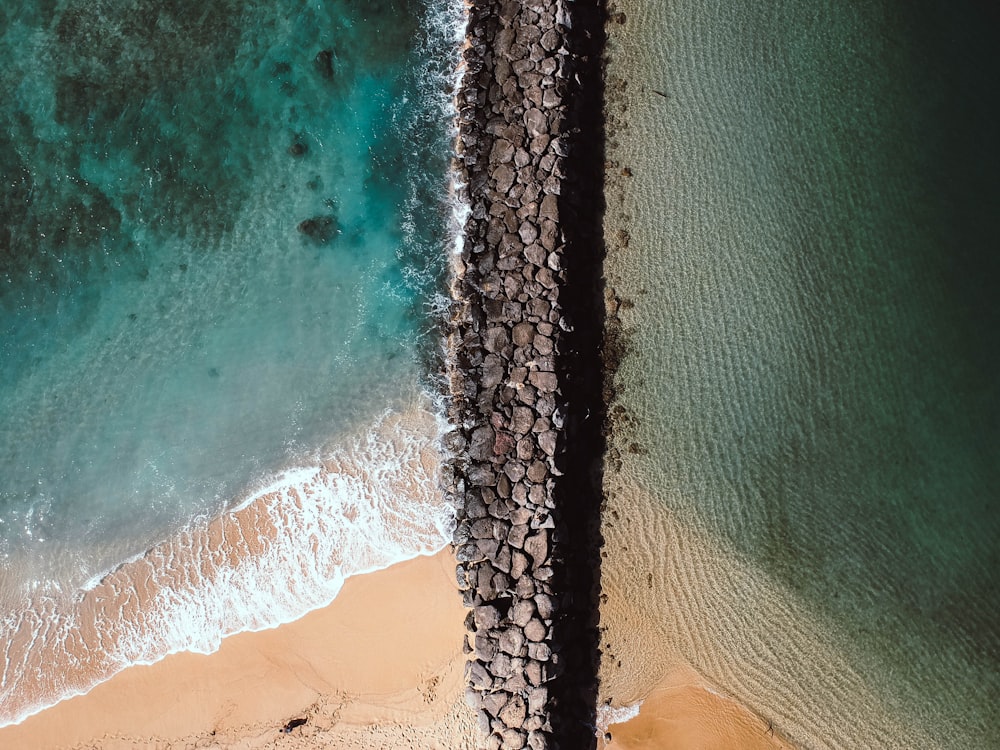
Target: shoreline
312,528
383,660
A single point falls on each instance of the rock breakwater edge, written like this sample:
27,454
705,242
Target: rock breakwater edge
525,368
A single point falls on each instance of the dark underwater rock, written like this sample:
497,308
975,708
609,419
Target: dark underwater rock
323,62
320,229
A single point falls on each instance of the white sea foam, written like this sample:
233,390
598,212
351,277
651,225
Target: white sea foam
287,549
606,715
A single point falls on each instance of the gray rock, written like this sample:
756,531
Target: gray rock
517,535
541,424
486,617
537,547
533,93
536,740
501,582
512,642
462,533
516,683
483,719
544,275
534,673
503,486
546,406
475,507
487,549
520,493
535,122
533,723
485,573
550,40
550,238
538,699
485,647
536,255
538,145
528,232
525,448
514,470
482,528
539,651
549,208
520,515
502,152
535,630
467,553
546,382
523,334
502,561
493,372
496,337
473,699
518,564
547,442
522,420
537,471
543,345
477,676
526,394
462,576
514,739
543,520
503,666
481,443
538,307
513,714
525,587
504,177
493,703
522,612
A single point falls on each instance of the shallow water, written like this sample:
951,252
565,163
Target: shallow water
221,234
809,434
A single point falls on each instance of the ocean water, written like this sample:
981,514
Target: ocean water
222,232
804,486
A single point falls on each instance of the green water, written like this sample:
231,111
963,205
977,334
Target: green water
169,333
223,228
813,262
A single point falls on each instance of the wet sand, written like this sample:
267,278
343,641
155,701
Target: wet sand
685,711
381,667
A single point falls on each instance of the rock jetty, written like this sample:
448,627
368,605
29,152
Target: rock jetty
523,346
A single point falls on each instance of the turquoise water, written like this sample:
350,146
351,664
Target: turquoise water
220,230
814,271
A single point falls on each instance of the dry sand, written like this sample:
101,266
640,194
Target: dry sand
381,667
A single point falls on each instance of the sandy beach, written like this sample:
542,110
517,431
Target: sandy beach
381,667
685,711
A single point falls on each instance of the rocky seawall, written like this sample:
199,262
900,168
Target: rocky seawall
525,377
